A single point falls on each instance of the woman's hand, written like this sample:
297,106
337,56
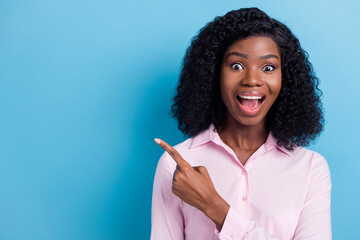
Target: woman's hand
194,186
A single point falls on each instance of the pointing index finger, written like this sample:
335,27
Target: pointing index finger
173,153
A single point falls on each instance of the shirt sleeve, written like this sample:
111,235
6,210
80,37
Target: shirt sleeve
315,219
167,221
238,227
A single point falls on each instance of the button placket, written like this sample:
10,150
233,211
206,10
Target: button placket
244,187
245,198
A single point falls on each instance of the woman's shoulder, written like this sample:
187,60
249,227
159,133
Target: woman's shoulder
313,159
184,145
304,152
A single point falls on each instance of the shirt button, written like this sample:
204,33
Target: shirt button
244,198
243,172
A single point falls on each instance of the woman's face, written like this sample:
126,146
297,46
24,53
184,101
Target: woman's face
250,79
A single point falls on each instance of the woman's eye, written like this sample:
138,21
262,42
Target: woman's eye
268,68
237,66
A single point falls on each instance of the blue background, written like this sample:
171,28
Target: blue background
85,86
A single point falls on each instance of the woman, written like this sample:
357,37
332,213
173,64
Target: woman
248,99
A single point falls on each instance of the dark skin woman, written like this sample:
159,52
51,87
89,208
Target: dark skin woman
251,65
246,74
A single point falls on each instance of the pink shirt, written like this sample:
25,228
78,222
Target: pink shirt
277,194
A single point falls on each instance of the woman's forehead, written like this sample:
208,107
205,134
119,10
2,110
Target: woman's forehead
253,46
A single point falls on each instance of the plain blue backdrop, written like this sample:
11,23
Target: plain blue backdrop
85,86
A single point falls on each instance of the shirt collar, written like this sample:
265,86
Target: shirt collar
210,134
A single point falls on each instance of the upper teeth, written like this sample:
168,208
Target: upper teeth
250,97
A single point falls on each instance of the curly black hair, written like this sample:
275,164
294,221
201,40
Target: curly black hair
295,118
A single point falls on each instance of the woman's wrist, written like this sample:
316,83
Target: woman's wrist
217,210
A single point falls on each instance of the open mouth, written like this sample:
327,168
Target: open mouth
250,102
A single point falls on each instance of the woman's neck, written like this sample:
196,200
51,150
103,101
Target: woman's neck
242,137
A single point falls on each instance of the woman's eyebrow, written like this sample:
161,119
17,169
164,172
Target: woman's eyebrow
267,56
238,54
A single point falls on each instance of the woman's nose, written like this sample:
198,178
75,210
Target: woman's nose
252,78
